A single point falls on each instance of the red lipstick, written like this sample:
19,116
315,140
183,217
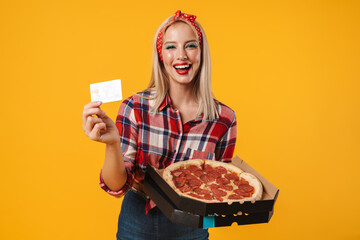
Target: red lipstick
182,68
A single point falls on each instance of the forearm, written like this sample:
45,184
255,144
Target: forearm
113,172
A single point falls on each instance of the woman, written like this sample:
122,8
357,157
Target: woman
175,119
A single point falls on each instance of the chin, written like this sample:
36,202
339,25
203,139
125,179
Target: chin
184,81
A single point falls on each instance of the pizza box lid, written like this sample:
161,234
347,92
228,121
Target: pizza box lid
178,216
270,193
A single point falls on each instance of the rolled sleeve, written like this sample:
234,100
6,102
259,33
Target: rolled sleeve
128,131
127,186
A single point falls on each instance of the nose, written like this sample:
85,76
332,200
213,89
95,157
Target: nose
182,54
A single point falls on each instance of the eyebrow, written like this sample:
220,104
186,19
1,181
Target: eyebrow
167,42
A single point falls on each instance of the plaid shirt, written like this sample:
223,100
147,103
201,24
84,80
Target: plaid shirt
161,139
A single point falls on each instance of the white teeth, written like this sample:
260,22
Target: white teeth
182,66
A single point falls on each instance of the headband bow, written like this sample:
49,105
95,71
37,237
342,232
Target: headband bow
188,17
178,15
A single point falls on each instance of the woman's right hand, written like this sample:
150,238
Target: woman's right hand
98,126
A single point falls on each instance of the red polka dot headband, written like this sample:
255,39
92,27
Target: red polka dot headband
178,16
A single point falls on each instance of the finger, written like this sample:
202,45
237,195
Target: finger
95,133
90,122
92,111
93,104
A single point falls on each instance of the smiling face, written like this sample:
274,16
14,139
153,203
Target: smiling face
181,53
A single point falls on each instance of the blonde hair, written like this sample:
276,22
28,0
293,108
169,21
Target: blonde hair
159,82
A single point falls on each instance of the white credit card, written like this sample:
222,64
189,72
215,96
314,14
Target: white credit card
109,91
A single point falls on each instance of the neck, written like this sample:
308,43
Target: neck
182,95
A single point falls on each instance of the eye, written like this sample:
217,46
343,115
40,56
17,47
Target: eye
191,45
169,47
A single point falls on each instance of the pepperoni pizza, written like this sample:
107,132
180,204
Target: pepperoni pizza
212,181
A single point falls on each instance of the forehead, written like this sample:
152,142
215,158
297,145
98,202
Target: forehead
179,31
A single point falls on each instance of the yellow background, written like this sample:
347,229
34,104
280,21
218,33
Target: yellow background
289,69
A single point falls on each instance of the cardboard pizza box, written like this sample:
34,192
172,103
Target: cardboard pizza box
266,204
196,221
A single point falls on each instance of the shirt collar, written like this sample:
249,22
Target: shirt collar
166,102
198,118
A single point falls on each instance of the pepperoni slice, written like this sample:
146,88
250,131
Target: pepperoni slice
204,178
226,187
208,197
208,168
214,174
194,183
232,176
201,191
236,177
218,192
235,196
214,186
190,177
222,181
198,173
185,188
198,191
211,178
179,181
239,182
220,170
246,188
193,168
243,181
242,193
